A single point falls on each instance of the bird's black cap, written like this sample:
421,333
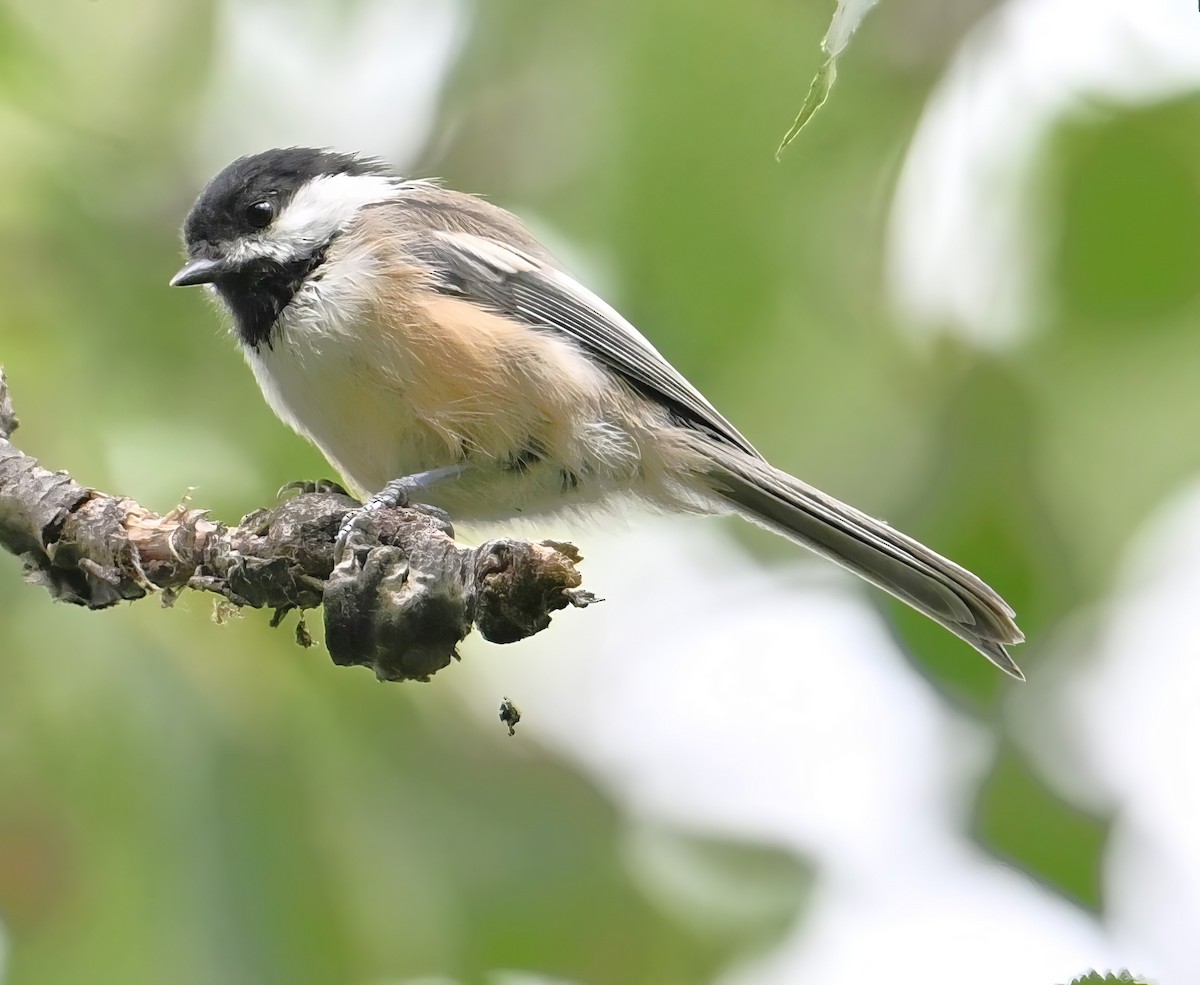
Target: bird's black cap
223,211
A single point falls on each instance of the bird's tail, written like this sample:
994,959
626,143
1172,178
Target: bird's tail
931,584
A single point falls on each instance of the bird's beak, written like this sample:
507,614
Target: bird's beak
200,271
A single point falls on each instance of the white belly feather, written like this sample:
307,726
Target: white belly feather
322,377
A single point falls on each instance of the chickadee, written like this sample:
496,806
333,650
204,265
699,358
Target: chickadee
419,334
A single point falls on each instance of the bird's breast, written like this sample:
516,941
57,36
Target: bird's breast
389,380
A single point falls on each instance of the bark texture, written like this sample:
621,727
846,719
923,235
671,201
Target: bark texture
398,599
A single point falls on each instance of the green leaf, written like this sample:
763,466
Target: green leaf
818,92
1023,821
846,18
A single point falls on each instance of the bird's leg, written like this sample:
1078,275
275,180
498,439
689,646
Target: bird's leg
397,494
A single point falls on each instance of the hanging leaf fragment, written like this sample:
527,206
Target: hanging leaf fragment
846,18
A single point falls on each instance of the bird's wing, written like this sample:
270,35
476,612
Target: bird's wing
520,286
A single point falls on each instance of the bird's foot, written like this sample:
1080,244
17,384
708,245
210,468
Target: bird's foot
397,494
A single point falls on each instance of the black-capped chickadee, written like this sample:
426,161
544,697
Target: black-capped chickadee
413,332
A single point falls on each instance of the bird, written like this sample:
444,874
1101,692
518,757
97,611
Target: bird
434,350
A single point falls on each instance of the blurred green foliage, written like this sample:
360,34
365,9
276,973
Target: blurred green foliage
1025,822
188,803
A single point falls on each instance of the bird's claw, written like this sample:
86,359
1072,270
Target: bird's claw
305,486
395,495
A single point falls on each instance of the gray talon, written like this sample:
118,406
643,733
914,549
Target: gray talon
397,494
305,486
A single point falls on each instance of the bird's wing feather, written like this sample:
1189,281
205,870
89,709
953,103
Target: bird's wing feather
518,285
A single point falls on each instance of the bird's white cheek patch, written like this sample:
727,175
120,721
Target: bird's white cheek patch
325,206
317,212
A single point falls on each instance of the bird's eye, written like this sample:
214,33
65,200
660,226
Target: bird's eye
260,214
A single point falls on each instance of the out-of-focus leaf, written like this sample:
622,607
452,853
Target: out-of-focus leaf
1022,821
1130,245
21,61
742,894
1114,368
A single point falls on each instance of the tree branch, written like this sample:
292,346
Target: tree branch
399,599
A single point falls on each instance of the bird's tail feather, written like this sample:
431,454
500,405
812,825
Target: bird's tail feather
931,584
